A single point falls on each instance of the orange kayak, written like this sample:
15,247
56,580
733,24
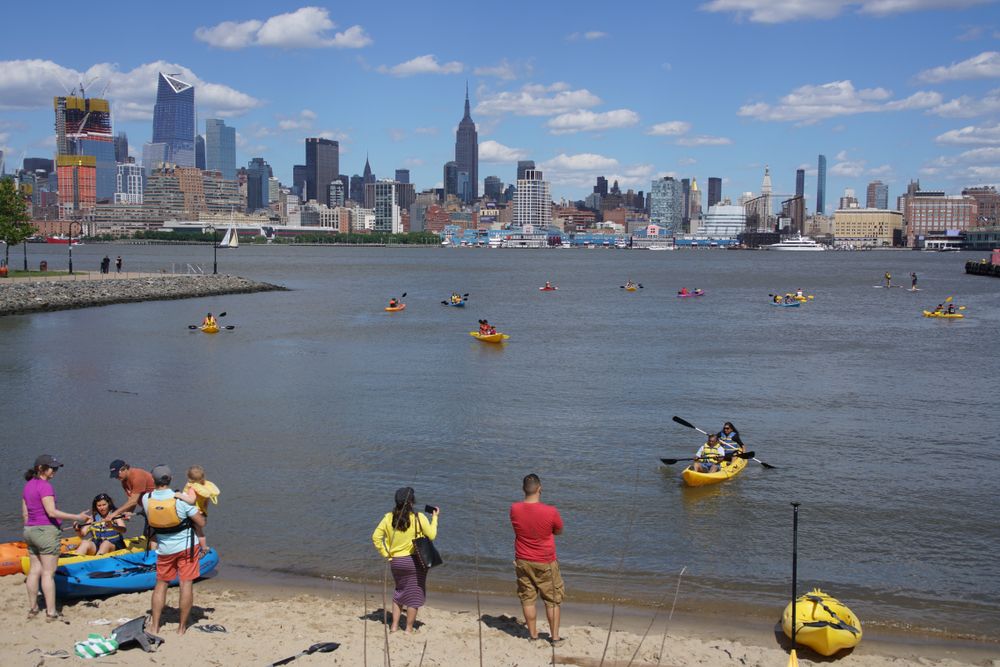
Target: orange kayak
396,309
12,552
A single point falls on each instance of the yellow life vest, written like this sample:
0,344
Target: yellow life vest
162,516
712,453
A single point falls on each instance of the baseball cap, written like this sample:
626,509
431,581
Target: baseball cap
403,494
160,473
48,460
117,465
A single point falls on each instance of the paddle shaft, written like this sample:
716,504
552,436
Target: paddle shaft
716,459
683,422
795,564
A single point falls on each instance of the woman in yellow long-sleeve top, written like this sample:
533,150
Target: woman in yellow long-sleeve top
393,538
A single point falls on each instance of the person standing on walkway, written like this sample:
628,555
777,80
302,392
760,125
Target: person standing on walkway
535,527
106,264
135,482
393,538
41,533
118,264
177,553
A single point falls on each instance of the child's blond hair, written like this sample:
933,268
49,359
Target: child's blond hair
196,474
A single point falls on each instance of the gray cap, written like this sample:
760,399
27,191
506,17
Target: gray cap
160,473
48,460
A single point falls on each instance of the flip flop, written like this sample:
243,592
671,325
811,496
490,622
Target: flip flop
210,627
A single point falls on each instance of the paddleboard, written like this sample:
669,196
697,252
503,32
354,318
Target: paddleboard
914,289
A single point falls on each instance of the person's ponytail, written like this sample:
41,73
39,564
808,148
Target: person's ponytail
30,474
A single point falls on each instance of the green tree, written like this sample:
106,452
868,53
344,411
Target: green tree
15,223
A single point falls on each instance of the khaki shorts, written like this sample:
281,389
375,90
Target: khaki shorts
42,540
539,580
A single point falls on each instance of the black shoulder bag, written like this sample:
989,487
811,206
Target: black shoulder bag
424,550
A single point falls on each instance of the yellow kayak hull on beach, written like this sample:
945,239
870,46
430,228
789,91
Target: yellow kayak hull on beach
727,470
823,623
132,545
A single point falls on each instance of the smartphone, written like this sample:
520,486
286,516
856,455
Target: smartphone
429,509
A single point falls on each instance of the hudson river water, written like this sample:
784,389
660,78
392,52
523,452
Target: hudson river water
309,415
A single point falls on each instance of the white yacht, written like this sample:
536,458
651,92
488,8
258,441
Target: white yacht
797,243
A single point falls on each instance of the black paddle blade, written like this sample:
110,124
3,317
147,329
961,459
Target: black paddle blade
229,327
404,294
683,422
192,326
222,314
444,303
465,296
325,647
767,465
670,462
744,455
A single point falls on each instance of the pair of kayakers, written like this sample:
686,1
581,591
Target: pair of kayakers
950,310
629,284
486,329
788,298
717,448
685,292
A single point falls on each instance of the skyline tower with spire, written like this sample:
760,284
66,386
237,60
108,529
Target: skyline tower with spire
467,155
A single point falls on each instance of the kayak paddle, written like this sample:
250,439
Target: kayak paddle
639,285
324,647
793,660
688,424
727,457
228,327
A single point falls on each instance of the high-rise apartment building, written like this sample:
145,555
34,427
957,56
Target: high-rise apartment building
173,119
467,154
154,156
800,182
258,175
523,166
666,204
848,200
714,191
121,147
322,167
877,195
821,185
129,183
357,188
402,175
199,152
299,179
220,148
77,175
335,194
384,197
988,200
532,201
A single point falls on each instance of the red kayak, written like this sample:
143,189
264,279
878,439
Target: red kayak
548,289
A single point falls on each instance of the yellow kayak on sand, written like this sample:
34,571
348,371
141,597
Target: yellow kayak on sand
132,545
823,623
727,470
489,338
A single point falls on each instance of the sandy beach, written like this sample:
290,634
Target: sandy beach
265,623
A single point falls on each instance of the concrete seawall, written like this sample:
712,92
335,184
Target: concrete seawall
83,291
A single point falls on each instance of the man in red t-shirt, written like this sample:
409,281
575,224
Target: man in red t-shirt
535,527
135,482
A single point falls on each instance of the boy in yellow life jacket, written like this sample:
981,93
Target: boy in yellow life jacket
198,492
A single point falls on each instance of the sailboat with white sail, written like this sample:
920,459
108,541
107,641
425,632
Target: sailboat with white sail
231,239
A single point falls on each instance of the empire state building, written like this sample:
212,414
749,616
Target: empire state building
467,156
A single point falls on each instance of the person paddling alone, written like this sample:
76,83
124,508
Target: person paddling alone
888,279
913,281
208,322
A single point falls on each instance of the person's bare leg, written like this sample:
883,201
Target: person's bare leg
49,564
187,601
531,618
156,607
411,618
396,612
552,613
32,580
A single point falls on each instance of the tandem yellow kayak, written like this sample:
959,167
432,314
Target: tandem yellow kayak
943,315
823,623
727,470
489,338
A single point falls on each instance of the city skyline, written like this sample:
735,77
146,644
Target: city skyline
916,94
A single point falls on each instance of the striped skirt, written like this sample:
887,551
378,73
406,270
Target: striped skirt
411,582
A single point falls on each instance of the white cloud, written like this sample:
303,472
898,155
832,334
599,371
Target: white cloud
704,140
306,27
580,162
397,134
781,11
848,168
883,170
982,136
972,33
335,135
580,171
589,35
984,66
671,128
304,121
494,151
969,107
30,84
978,165
812,103
502,70
428,131
589,121
538,100
413,162
427,64
686,161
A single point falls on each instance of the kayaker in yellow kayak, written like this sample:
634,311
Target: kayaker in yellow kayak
209,321
730,438
393,302
708,456
486,329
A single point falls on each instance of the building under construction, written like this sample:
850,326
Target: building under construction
83,127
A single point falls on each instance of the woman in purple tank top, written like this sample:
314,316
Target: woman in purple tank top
41,533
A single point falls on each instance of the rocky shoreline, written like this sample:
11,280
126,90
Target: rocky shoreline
47,295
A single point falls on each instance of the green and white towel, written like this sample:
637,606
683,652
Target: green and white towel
95,646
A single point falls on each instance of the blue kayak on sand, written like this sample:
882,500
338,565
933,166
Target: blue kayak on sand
131,573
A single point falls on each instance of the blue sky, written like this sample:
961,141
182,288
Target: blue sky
887,89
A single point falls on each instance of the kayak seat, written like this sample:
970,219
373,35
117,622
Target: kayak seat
135,631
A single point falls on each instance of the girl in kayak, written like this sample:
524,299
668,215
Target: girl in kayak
209,321
708,455
730,438
100,536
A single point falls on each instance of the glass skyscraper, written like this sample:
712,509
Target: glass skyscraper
666,204
173,119
258,175
322,167
220,148
821,185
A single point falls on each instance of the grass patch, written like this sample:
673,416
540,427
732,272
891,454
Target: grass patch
35,274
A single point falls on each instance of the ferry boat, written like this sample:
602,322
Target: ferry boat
798,244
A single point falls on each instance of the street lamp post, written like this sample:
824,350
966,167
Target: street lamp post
71,244
215,249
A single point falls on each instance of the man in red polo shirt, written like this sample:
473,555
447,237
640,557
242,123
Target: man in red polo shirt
535,527
135,482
